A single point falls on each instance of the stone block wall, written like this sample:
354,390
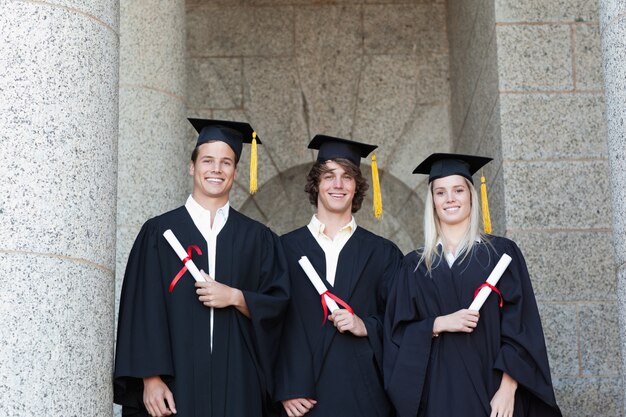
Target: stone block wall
526,83
556,183
375,72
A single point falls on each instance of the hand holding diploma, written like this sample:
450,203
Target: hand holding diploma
185,257
329,300
466,320
215,294
315,279
492,280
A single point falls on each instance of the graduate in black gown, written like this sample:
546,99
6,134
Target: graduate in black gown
441,359
202,349
332,366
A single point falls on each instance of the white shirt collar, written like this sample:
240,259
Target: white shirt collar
199,213
194,207
317,227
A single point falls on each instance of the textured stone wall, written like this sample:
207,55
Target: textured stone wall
526,84
525,87
556,187
153,157
375,73
153,148
613,33
475,104
58,151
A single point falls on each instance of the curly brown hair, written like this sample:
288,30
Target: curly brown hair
319,168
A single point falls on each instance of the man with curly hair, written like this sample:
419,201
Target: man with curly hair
333,367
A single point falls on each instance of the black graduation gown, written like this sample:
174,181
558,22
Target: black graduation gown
457,374
341,371
168,334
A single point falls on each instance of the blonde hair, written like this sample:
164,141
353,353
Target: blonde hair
432,229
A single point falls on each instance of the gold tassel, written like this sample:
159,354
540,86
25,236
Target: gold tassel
253,165
378,199
485,204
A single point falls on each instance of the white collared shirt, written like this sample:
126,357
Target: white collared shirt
331,247
202,219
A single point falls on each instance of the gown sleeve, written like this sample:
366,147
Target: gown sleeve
407,343
294,374
268,303
143,337
294,368
375,323
523,353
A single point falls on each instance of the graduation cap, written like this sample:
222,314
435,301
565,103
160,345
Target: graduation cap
234,134
439,165
330,148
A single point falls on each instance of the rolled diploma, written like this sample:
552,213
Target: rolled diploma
493,279
180,251
317,282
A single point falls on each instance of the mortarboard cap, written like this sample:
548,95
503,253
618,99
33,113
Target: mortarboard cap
332,148
439,165
234,134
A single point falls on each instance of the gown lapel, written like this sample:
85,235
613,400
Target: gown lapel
352,261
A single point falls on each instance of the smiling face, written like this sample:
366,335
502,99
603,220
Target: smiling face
335,191
213,173
452,200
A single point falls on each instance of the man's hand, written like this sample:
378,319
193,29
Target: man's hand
297,407
157,397
345,321
217,295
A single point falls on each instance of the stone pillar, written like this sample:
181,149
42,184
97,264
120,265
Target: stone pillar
58,162
153,151
556,183
613,34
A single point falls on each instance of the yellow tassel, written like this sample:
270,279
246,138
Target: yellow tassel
378,199
485,205
253,165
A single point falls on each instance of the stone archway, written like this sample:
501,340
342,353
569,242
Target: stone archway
282,204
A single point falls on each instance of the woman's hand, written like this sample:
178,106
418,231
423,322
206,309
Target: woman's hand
460,321
503,402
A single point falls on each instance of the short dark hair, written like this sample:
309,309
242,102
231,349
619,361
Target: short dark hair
194,154
319,168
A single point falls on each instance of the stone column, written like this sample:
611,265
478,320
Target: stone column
613,33
153,150
58,162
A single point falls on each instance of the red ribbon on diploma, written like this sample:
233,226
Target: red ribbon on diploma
337,300
488,285
184,269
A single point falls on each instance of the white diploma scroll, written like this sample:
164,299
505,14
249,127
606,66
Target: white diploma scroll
317,282
493,279
180,251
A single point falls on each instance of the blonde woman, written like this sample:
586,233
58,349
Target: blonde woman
441,359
